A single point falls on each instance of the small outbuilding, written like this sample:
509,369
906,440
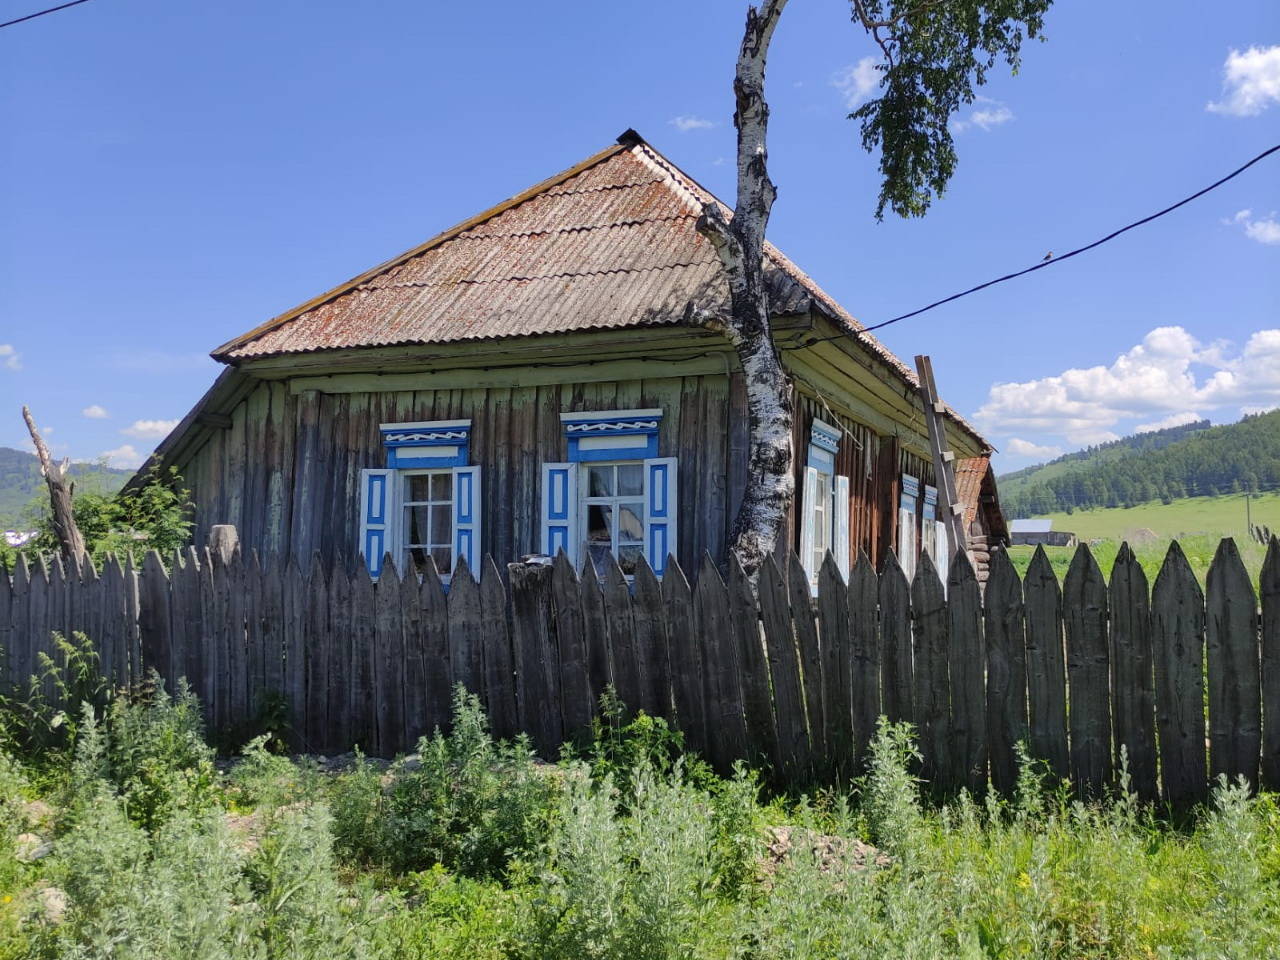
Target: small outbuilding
1032,532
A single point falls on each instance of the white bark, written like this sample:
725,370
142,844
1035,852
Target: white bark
739,243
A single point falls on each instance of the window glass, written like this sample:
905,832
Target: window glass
428,520
613,513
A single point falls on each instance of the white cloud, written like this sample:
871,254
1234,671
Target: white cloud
1250,82
685,123
126,457
9,357
987,116
1266,230
1172,420
150,429
1169,373
856,82
1249,411
95,412
1025,448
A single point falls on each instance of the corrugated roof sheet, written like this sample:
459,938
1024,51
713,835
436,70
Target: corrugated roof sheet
970,473
610,243
1031,526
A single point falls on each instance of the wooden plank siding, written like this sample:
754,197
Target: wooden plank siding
286,472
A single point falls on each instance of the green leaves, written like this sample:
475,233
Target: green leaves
936,54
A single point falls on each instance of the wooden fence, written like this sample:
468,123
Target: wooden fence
1187,681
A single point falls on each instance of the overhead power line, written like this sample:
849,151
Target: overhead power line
32,16
1055,260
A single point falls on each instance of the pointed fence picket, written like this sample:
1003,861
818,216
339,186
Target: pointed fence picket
1184,684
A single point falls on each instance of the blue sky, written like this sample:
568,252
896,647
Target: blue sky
173,173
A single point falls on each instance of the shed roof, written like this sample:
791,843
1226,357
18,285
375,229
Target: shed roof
1036,525
609,243
976,489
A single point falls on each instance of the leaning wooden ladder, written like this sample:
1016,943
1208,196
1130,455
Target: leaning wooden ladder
944,460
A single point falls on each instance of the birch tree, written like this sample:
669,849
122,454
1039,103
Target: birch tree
933,53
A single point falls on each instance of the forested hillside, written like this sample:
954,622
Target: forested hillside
1189,461
20,481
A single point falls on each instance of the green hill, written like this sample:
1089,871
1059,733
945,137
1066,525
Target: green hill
1194,460
21,483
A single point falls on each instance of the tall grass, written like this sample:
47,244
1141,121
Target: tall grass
472,849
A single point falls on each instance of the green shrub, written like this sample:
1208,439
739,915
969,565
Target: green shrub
150,751
469,803
36,725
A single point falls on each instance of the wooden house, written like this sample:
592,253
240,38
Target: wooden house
535,379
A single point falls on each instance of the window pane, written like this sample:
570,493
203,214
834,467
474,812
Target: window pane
441,523
600,523
415,525
417,487
442,486
599,554
600,481
419,559
629,557
443,556
630,522
630,479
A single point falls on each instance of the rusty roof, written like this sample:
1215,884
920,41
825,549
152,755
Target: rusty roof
608,243
973,474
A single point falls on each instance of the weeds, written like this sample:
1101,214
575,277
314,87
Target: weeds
473,850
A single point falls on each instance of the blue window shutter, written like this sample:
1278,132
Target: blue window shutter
560,509
467,500
661,512
377,517
841,532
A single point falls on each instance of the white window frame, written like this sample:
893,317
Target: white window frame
403,478
824,505
907,545
438,447
586,501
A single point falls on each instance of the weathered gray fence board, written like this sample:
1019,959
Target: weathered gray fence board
784,669
536,658
721,668
967,659
500,681
753,668
1084,601
808,643
897,685
1269,590
1231,640
931,629
1133,693
618,618
762,671
837,664
1004,629
685,654
577,705
434,609
864,651
648,616
1177,635
1046,666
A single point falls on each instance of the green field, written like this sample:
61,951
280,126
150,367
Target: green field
1197,523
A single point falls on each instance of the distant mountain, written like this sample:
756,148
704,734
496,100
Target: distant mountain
20,483
1192,460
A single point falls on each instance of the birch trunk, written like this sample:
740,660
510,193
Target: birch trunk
739,243
55,476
